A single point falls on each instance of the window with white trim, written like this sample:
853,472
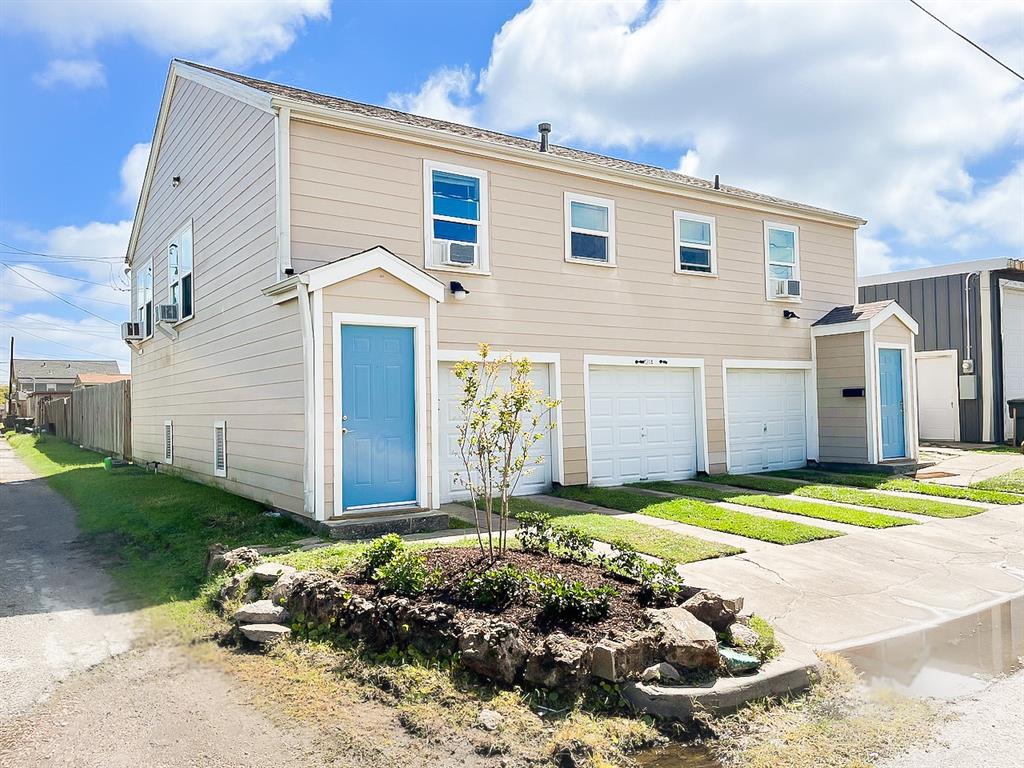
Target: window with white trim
220,449
589,229
144,298
782,261
455,205
695,244
168,442
179,271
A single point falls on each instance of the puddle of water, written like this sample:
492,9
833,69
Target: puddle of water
677,756
952,659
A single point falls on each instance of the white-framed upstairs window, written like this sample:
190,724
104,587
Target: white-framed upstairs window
589,230
696,246
455,216
782,262
180,261
143,277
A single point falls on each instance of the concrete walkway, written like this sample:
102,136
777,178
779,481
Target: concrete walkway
58,611
967,467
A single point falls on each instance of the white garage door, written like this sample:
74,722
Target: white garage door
1013,351
642,424
537,480
767,420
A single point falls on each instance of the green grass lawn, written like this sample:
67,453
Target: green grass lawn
813,509
699,513
905,484
667,545
861,498
1011,482
156,527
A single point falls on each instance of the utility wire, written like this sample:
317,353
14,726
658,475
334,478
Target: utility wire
968,40
41,326
68,277
61,298
62,344
39,287
16,249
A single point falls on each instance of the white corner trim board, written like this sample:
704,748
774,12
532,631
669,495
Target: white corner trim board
338,319
282,160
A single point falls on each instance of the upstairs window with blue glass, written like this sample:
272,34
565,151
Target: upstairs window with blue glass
782,261
695,244
457,220
590,229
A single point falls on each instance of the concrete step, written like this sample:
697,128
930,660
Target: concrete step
370,526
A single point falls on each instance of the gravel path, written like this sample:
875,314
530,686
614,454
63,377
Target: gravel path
985,729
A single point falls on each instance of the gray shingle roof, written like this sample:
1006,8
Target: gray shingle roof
61,369
853,312
503,139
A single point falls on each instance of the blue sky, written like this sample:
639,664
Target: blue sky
870,109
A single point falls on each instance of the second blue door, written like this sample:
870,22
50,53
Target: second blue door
378,407
890,384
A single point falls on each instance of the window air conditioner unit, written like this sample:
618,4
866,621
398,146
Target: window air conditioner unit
131,331
454,254
782,288
167,313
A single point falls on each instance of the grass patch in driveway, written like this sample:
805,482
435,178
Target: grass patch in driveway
648,539
1011,482
905,484
859,497
831,512
700,514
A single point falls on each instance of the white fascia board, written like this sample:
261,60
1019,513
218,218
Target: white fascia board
375,258
895,310
435,138
234,90
939,270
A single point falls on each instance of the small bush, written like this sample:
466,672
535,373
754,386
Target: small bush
573,544
767,646
535,533
571,601
379,553
404,574
660,584
624,561
493,588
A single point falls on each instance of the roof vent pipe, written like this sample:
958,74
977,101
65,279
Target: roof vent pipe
717,184
545,129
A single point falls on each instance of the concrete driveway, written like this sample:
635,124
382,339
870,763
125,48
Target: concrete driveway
59,613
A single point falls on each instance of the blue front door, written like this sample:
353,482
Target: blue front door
378,413
890,384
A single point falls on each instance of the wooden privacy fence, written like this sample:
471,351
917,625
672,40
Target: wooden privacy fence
98,418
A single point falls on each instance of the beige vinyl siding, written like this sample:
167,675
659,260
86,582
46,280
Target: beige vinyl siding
373,293
352,191
842,421
240,358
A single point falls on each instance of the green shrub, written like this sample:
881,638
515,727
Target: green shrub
660,583
535,532
571,601
493,588
379,553
767,646
573,544
404,574
624,561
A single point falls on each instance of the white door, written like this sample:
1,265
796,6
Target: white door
767,419
537,478
642,424
938,396
1012,321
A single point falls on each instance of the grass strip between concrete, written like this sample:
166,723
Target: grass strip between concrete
700,514
1011,482
905,484
831,512
857,496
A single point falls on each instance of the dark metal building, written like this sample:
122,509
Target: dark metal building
971,314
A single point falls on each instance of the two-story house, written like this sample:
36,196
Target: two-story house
37,381
328,261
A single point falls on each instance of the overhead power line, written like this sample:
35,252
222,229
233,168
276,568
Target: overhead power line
968,40
62,344
69,277
16,249
61,298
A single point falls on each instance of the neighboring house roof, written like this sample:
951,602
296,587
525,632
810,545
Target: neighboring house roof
92,379
940,270
863,317
61,369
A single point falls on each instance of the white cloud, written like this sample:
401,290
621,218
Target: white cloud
228,34
78,73
133,169
442,96
878,114
48,335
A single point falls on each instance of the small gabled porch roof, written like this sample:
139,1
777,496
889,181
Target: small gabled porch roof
854,318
